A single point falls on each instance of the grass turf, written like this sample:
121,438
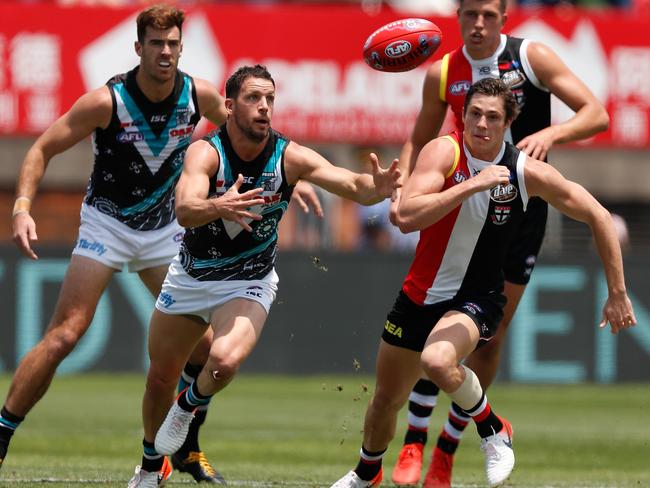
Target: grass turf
306,432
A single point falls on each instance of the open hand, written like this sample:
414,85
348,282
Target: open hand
386,180
236,206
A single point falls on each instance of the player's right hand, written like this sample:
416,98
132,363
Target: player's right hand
236,206
24,233
491,176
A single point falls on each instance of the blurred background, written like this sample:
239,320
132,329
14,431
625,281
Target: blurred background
340,274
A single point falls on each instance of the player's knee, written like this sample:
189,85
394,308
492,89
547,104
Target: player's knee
385,401
160,381
60,342
224,368
439,367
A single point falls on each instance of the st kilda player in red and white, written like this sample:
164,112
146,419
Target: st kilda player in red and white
466,195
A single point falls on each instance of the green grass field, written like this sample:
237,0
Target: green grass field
306,432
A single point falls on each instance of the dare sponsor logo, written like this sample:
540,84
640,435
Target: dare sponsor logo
513,79
503,193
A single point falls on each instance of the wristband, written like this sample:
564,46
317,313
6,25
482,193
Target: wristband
21,205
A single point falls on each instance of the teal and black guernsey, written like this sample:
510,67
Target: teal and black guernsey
224,250
139,156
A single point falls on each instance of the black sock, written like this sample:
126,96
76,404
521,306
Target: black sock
192,398
487,423
9,422
189,374
151,460
369,464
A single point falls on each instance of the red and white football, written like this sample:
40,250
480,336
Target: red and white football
401,45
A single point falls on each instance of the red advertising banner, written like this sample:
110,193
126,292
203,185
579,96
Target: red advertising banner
50,55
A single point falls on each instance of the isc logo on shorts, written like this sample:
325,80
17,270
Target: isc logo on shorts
393,329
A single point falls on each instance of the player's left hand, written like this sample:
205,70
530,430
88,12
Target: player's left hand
538,144
305,196
618,312
386,180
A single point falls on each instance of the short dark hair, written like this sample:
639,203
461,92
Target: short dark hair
236,80
159,17
493,87
502,5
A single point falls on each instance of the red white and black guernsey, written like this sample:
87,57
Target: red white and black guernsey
510,64
461,256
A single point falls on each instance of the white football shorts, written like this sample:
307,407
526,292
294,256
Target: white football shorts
183,295
115,244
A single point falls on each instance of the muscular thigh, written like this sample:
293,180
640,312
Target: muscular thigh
455,336
172,338
153,278
237,326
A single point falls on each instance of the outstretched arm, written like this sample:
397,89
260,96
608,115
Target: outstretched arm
194,208
89,112
590,115
574,201
304,163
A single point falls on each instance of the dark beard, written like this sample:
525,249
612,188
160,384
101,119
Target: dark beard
249,134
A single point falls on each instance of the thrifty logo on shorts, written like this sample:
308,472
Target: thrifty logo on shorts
98,247
166,300
393,329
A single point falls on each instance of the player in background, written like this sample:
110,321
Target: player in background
533,72
234,189
467,195
141,123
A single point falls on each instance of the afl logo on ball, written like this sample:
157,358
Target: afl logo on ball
503,193
398,49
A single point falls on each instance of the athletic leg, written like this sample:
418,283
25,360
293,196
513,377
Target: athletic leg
171,340
396,369
237,326
454,337
83,285
189,458
484,361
